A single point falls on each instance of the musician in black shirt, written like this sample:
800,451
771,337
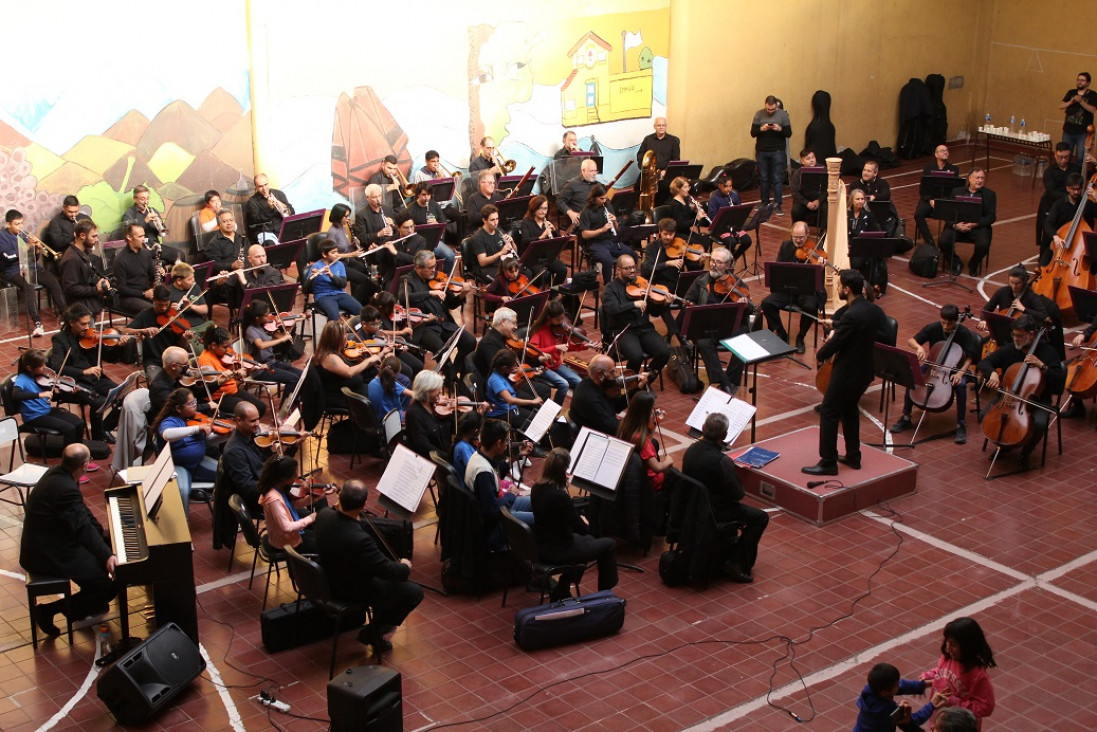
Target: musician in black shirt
389,180
438,307
623,312
226,251
533,226
152,221
375,228
1063,210
978,232
85,366
666,147
489,245
264,212
62,227
425,210
598,232
575,192
135,271
486,194
924,208
266,275
809,304
82,275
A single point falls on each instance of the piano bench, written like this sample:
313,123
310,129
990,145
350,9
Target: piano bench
40,585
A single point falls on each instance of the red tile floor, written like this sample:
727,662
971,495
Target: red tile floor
1018,554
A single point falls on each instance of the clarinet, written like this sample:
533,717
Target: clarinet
612,228
158,272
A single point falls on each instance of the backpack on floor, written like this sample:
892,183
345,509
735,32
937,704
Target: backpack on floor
923,263
680,368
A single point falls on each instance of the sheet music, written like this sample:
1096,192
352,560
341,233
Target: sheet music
737,411
406,478
599,458
541,421
745,348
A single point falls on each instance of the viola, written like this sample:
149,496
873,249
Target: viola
656,418
179,325
522,286
109,337
1069,267
1009,423
452,283
220,426
231,358
524,372
302,488
414,316
357,350
732,288
944,358
65,384
622,380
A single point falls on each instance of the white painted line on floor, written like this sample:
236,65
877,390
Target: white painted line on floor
14,575
230,706
80,694
230,580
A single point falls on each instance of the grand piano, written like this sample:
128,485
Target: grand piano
154,551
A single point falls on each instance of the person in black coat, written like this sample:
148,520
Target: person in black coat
858,325
561,532
358,571
706,463
977,232
591,406
623,312
924,209
62,538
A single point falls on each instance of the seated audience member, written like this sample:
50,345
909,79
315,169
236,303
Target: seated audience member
285,525
357,571
706,463
561,531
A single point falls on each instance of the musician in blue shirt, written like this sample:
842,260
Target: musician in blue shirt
326,280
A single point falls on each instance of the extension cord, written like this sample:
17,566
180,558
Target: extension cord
274,704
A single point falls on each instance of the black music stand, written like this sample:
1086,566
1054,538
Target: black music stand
509,181
682,169
686,280
284,296
813,181
281,256
630,234
513,208
761,216
952,211
796,280
394,285
999,326
432,233
542,251
896,367
523,306
729,219
624,201
441,189
300,226
202,272
1085,301
768,347
937,186
716,322
872,250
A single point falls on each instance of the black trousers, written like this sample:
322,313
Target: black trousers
392,601
229,402
68,424
635,343
754,521
432,338
96,587
978,236
922,212
585,549
771,308
840,406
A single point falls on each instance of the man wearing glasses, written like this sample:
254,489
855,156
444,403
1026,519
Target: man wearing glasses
628,321
438,307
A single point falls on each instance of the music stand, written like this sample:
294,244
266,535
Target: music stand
441,189
509,181
729,219
202,272
1000,326
760,217
513,208
754,349
872,248
398,275
624,201
813,181
639,232
523,306
938,185
1085,301
302,225
953,211
432,233
281,256
716,322
896,367
686,280
284,296
795,280
683,169
543,251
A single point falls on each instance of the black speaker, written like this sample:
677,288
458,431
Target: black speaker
366,698
142,682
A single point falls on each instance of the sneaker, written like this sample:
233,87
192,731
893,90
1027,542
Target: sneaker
961,434
779,213
901,426
92,467
38,331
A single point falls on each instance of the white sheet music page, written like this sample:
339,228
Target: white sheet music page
613,463
541,421
406,478
590,457
712,400
739,414
744,348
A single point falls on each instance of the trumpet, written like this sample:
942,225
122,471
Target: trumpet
277,205
507,166
36,242
158,222
406,188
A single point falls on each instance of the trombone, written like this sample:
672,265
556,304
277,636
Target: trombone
406,188
507,166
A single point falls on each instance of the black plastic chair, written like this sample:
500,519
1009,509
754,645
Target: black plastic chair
523,547
364,418
312,583
259,541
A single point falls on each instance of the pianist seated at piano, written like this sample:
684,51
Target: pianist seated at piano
61,538
187,442
282,510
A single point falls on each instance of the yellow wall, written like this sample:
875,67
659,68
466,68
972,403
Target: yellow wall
726,56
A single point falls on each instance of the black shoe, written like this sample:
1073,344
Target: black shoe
957,268
686,343
901,426
375,637
736,574
782,335
539,452
801,347
1024,461
973,269
820,468
1076,410
109,438
961,433
846,460
43,618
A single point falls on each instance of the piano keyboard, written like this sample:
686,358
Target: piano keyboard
126,528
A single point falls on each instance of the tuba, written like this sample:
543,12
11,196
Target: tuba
649,184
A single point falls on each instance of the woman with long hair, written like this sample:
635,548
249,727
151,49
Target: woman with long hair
535,225
561,531
334,371
389,389
265,347
598,231
638,428
187,442
544,336
362,285
285,525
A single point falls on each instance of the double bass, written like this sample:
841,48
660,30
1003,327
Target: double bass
1069,266
943,360
1009,422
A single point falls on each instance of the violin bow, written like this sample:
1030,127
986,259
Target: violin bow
99,356
179,314
529,284
61,371
651,279
201,378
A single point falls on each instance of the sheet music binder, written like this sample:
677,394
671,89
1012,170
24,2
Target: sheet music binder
404,481
600,470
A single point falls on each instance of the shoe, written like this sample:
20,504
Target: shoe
779,213
901,426
846,460
820,468
369,636
1076,410
973,269
43,618
83,479
539,452
957,268
38,331
961,434
801,347
686,344
92,467
736,574
110,438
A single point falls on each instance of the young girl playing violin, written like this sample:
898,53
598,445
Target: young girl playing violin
638,427
32,399
504,401
216,357
549,336
177,427
285,525
512,281
370,326
265,347
84,366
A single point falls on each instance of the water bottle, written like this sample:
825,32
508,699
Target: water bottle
1012,124
986,122
1022,131
104,639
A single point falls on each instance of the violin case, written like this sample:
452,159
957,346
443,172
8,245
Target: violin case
569,621
680,369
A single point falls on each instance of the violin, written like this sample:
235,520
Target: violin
179,325
357,350
49,379
681,249
944,358
732,288
522,286
451,283
284,321
413,316
1009,423
220,426
530,350
639,290
623,378
444,406
268,438
206,373
231,358
524,372
302,488
109,337
657,417
574,336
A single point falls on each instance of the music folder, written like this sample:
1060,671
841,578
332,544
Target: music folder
302,225
441,189
598,462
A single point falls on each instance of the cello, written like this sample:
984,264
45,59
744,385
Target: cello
1009,422
1069,267
944,359
1082,371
